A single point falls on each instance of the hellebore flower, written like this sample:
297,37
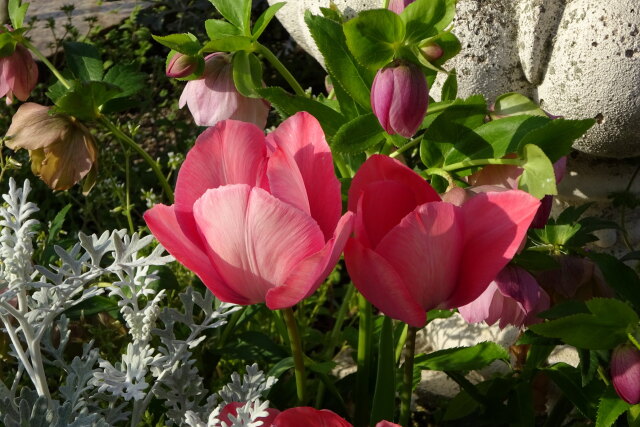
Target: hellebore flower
61,149
309,417
232,409
413,252
625,373
181,65
18,75
399,98
398,6
257,219
214,96
513,298
431,51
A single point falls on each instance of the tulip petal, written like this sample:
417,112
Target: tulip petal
381,285
494,225
254,239
313,270
425,249
302,138
309,417
384,168
162,222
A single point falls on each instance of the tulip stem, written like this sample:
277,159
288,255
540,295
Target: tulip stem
480,162
46,62
407,390
279,66
296,352
365,335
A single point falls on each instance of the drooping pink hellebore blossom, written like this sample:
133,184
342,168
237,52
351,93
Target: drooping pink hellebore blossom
257,219
398,6
412,252
625,373
18,75
214,97
399,98
513,298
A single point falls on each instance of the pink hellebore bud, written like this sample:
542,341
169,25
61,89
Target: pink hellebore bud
625,373
513,298
431,51
18,75
250,218
214,96
399,98
305,416
412,252
398,6
181,65
232,409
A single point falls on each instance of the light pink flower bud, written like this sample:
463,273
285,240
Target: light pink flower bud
399,98
181,65
431,51
398,6
625,373
18,75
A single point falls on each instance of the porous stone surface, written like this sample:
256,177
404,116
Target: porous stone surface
578,58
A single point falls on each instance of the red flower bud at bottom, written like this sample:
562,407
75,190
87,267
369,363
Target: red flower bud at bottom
625,373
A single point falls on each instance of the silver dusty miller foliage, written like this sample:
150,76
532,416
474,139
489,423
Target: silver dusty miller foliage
93,391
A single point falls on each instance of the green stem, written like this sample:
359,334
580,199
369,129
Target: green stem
405,147
279,66
365,335
127,195
407,390
46,62
401,341
480,162
115,130
297,353
633,340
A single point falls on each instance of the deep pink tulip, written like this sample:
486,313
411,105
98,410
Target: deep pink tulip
18,75
413,252
399,98
181,65
513,298
232,409
387,424
305,416
214,97
398,6
625,373
257,219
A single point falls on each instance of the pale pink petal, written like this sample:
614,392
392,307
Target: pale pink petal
313,270
494,226
303,139
162,222
252,110
254,239
425,250
483,307
286,182
5,87
381,284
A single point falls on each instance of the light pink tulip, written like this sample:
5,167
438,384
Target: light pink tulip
257,219
399,98
305,416
18,75
625,373
398,6
413,252
214,96
181,65
513,298
232,409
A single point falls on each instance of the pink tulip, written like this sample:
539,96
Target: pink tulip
399,98
257,219
398,6
625,373
305,416
387,424
214,96
413,252
181,65
18,75
513,298
232,409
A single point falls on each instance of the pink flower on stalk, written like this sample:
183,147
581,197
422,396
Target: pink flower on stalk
412,252
398,6
513,298
399,98
257,219
18,75
305,416
625,373
181,65
214,97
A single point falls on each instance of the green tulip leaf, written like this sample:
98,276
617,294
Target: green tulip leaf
462,358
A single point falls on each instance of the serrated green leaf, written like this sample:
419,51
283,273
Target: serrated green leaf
219,29
462,358
263,20
610,408
247,73
622,278
557,136
127,78
358,135
567,378
238,12
183,42
228,44
557,235
421,17
83,60
17,12
84,99
538,177
450,87
374,37
513,104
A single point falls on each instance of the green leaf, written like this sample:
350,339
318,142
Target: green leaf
374,37
513,104
358,135
421,17
557,136
450,87
288,105
281,367
567,378
219,29
247,73
264,19
238,12
84,99
83,60
228,44
557,235
449,13
610,408
538,177
17,12
462,358
384,402
604,327
7,44
535,261
127,78
56,224
91,306
184,43
520,405
622,278
345,71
